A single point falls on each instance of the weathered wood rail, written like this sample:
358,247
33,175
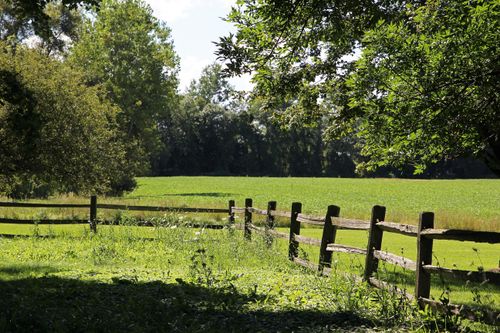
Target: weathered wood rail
331,222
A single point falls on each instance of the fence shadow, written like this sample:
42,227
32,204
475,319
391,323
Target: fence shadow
205,194
51,304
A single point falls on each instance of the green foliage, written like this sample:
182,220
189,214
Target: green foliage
430,84
218,131
56,134
48,20
128,51
425,88
297,49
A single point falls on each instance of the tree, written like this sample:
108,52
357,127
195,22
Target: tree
198,134
47,19
56,134
306,52
215,131
131,54
431,85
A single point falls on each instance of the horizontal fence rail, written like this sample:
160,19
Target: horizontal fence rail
403,229
314,220
42,221
350,224
93,206
474,276
462,235
345,249
162,209
395,260
41,205
307,240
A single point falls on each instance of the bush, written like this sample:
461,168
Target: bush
56,134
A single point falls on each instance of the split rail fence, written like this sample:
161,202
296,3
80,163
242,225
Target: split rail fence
92,221
425,233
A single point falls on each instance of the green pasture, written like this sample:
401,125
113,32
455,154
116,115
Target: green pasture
463,204
468,204
156,258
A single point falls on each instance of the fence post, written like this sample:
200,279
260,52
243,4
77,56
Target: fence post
271,205
230,219
424,256
248,219
93,213
374,241
293,248
329,233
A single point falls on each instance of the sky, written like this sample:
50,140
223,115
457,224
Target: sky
195,25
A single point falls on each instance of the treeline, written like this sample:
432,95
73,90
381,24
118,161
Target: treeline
216,132
89,99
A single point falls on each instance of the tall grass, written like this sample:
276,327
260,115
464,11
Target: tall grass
187,280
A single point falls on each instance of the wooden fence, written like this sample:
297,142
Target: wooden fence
93,206
425,233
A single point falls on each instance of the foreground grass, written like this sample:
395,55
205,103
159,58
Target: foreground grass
184,280
450,254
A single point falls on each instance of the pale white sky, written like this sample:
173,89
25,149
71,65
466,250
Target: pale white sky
195,25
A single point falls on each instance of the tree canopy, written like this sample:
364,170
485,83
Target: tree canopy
47,19
131,54
416,82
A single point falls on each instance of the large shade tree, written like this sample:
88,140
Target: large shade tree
416,81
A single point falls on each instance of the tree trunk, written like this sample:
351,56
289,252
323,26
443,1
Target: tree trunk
492,154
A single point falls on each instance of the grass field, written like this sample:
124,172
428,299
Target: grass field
464,204
457,203
119,256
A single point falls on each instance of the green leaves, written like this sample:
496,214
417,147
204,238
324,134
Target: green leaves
55,133
431,67
131,54
428,73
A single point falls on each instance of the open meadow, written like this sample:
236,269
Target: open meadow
180,279
461,204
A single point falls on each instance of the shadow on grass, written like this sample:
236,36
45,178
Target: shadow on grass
204,194
23,269
208,194
53,304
